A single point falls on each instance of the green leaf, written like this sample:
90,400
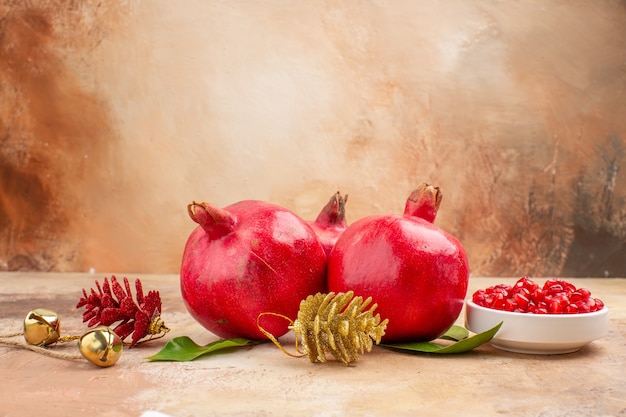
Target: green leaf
460,346
456,333
183,349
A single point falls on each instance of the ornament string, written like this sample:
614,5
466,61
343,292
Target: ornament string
8,341
273,339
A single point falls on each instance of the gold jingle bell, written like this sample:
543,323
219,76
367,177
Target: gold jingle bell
42,327
101,346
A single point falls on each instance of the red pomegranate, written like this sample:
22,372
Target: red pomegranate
331,221
245,259
416,272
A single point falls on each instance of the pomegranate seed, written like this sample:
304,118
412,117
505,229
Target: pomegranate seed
550,282
479,297
502,289
568,287
531,286
489,299
576,296
585,293
599,304
537,295
521,300
591,302
554,289
499,301
510,305
557,304
583,307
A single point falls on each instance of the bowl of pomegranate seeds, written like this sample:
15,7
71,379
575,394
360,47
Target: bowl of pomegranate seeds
552,318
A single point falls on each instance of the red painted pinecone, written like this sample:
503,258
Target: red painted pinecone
114,303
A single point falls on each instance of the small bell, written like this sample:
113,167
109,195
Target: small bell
42,327
101,346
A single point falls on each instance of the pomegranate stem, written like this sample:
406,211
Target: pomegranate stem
215,221
334,212
424,202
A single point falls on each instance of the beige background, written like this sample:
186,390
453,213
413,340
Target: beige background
115,115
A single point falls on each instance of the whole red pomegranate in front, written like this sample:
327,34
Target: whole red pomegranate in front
416,272
245,259
331,221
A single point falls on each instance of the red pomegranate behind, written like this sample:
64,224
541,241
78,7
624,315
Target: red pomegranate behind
417,273
331,221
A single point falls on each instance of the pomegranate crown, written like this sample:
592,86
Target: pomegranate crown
424,202
334,212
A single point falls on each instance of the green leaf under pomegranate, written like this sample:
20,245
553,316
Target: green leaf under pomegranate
460,346
456,333
183,349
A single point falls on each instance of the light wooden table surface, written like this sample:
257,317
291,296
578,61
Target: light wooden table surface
262,381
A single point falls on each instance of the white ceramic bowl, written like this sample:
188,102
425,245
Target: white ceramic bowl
544,334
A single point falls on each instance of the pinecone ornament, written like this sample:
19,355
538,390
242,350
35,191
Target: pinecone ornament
112,303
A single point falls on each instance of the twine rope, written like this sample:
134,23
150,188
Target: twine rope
8,341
